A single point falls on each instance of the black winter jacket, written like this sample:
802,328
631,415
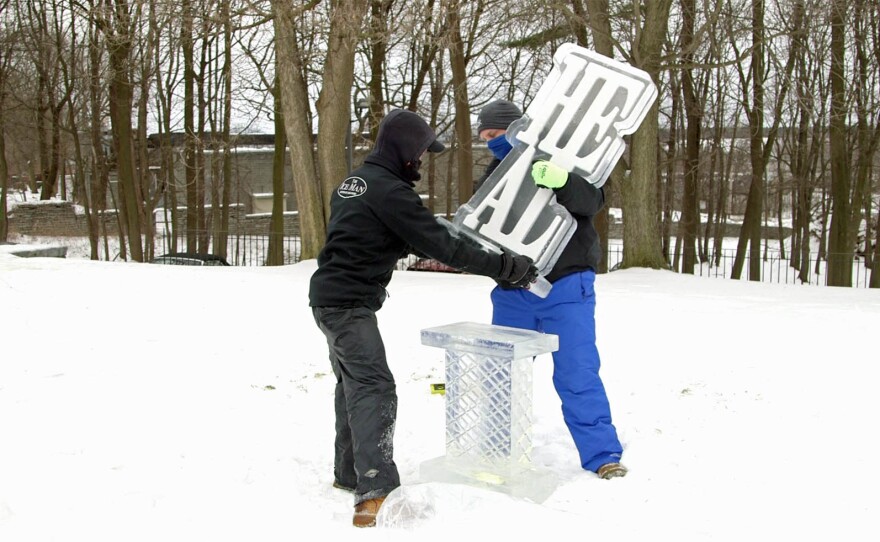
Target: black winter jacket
583,201
376,217
583,251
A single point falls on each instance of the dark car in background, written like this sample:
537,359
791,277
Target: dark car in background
189,258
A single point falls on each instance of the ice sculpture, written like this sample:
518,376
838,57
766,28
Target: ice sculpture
577,120
489,408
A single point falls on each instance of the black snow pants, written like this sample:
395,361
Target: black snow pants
366,401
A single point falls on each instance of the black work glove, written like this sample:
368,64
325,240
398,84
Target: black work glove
516,271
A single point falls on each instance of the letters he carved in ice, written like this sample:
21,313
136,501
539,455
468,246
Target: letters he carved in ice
577,121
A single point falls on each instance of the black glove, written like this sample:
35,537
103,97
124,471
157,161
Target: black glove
516,271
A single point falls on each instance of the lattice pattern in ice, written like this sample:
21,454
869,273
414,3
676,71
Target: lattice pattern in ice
488,407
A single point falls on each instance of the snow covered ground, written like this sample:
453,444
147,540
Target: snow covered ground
146,402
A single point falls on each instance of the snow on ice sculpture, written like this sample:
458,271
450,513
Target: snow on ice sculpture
577,121
489,407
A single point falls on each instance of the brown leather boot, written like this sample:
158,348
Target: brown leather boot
365,512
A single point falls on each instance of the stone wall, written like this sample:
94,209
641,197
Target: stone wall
64,219
53,219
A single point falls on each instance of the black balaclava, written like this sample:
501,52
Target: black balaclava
403,138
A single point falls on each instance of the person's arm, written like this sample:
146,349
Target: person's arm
402,211
572,191
580,197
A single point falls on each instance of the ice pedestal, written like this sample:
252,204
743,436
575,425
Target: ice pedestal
489,408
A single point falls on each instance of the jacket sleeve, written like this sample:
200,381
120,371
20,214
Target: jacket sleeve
580,197
404,214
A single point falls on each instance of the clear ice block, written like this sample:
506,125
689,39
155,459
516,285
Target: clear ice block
577,120
489,408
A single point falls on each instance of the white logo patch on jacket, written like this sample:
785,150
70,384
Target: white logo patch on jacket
352,187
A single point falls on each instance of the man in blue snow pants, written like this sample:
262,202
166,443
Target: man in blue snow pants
569,310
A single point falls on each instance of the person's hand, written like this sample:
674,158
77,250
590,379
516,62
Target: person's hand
517,271
548,175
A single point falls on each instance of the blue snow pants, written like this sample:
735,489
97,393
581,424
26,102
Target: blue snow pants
569,312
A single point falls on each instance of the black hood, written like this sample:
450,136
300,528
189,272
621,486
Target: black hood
403,138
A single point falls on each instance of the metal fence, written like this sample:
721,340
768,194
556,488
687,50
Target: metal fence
252,250
774,268
241,249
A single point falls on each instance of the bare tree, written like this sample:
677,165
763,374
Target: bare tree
334,101
5,42
760,143
463,134
276,230
38,23
71,61
867,114
118,21
290,71
690,213
805,140
221,224
600,28
641,235
167,79
99,165
839,261
378,39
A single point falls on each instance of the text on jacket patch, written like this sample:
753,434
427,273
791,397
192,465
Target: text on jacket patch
352,187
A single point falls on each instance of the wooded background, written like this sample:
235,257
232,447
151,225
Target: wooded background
779,98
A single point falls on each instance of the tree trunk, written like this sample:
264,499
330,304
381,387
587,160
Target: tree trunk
4,168
50,180
275,254
875,270
222,238
464,156
379,12
761,143
712,174
164,84
840,254
641,237
121,99
146,196
866,135
189,128
437,83
427,57
100,180
800,250
334,101
690,212
667,190
750,233
600,30
202,141
295,106
45,93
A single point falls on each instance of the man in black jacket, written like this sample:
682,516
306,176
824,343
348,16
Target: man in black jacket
376,217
